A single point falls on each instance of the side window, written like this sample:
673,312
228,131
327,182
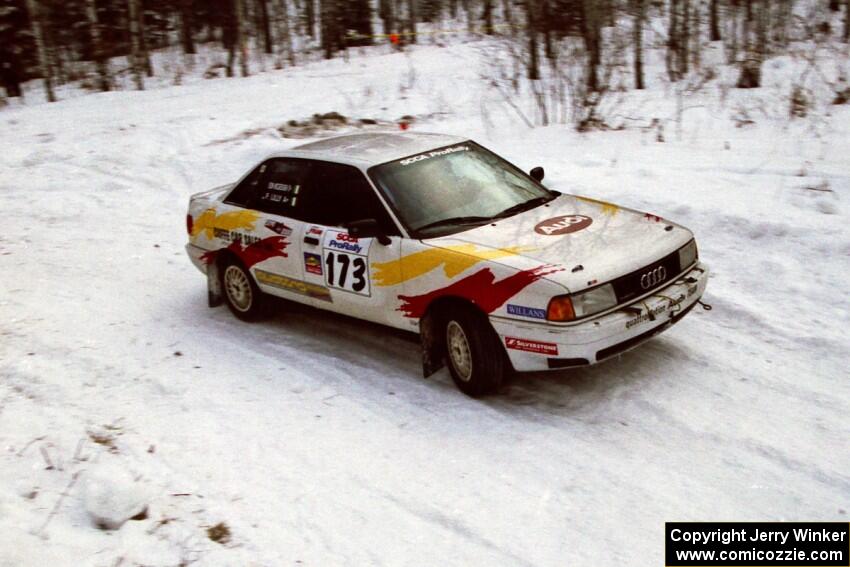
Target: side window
243,194
340,194
281,186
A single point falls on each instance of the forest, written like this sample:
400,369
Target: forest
103,45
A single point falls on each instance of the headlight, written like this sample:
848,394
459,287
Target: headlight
688,255
568,308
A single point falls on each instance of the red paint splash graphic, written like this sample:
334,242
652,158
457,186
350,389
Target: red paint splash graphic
481,288
271,247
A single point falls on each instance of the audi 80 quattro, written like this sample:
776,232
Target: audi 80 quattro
436,234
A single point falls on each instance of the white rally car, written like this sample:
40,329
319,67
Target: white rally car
436,234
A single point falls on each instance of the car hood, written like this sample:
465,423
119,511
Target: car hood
592,241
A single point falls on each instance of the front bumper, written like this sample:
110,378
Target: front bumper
547,346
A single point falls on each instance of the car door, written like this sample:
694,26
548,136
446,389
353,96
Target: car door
339,194
273,251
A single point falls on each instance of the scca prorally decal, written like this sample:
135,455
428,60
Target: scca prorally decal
208,221
481,288
454,260
278,227
564,224
609,209
295,286
435,153
527,345
524,311
259,251
313,263
344,242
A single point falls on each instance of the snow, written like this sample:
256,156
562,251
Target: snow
313,437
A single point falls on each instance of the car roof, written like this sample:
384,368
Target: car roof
371,148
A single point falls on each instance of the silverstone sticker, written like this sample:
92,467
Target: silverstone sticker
278,227
295,286
526,345
524,311
435,153
312,263
564,224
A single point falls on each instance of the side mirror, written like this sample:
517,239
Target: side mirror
537,173
368,228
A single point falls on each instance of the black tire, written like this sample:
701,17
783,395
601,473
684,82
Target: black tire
487,368
240,291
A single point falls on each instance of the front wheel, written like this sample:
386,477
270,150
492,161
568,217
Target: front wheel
243,297
476,360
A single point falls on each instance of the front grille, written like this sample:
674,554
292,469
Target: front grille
629,286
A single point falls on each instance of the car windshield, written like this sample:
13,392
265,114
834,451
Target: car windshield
454,188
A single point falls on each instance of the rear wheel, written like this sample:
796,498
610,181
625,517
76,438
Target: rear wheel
241,293
475,356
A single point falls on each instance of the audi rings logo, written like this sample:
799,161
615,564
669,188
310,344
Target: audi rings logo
653,277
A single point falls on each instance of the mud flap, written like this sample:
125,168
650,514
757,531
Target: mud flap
214,297
432,355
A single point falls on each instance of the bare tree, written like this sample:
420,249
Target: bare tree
97,47
487,16
714,21
411,20
285,31
239,36
135,43
187,26
531,30
639,14
846,21
264,25
591,32
755,43
143,41
43,60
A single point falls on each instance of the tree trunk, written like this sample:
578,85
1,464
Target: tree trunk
546,28
685,37
637,38
507,13
411,20
488,17
673,42
264,23
97,49
239,37
754,47
591,30
847,21
187,26
714,21
531,29
310,17
286,32
43,60
386,11
135,43
328,23
143,41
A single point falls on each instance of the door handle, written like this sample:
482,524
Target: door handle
311,240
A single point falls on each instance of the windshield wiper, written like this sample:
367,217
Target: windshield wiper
454,221
524,206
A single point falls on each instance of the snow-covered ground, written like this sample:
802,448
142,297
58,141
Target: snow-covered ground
313,437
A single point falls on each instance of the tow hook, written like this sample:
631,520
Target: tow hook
705,305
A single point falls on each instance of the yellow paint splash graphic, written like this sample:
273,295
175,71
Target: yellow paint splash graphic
454,260
231,220
609,209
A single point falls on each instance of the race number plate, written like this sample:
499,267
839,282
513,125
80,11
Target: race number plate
346,262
